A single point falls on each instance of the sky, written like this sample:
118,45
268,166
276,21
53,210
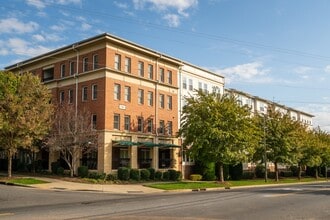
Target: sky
277,49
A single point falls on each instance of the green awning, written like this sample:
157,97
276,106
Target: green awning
125,143
151,144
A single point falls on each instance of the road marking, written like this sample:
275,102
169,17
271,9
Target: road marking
6,214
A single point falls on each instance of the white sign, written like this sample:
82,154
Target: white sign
122,107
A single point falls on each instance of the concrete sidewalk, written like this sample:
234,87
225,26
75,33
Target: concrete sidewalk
58,184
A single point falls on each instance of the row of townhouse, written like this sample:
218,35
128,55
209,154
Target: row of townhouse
134,94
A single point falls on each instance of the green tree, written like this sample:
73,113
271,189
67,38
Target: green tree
217,129
72,134
25,112
280,137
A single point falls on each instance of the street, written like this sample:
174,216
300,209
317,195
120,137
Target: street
304,201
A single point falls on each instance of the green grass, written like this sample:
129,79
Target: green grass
26,181
207,184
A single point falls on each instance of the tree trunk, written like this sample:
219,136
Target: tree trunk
299,172
276,172
316,173
10,161
221,178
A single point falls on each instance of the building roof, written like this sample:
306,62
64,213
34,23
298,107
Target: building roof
104,36
267,101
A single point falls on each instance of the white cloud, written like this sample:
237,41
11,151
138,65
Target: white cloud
12,25
58,27
173,20
173,10
23,47
251,72
121,5
40,4
38,37
327,69
67,2
321,113
179,5
85,26
303,69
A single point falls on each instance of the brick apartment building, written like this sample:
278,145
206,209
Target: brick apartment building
131,92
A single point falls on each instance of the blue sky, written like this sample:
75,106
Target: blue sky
276,49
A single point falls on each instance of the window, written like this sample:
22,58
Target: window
118,62
85,64
205,88
63,70
169,127
70,94
48,74
161,100
169,102
127,122
141,69
94,120
161,75
62,96
150,125
123,153
150,98
94,92
140,124
127,93
84,93
127,64
191,87
95,61
150,71
169,76
72,67
184,83
140,96
200,86
116,92
161,127
116,121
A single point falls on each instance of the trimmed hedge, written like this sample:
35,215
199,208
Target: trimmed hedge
134,174
145,174
83,171
158,175
152,172
123,173
195,177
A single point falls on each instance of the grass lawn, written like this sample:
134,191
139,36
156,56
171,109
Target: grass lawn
208,184
26,181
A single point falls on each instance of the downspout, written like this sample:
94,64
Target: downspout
76,106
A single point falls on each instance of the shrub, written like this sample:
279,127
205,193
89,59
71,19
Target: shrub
248,175
166,176
134,174
123,173
152,173
271,175
236,171
111,177
83,171
174,175
260,171
60,171
286,173
54,166
195,177
158,175
294,170
145,174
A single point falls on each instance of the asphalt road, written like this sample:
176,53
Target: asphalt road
308,201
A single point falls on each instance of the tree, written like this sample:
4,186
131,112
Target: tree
280,131
72,133
217,129
25,112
